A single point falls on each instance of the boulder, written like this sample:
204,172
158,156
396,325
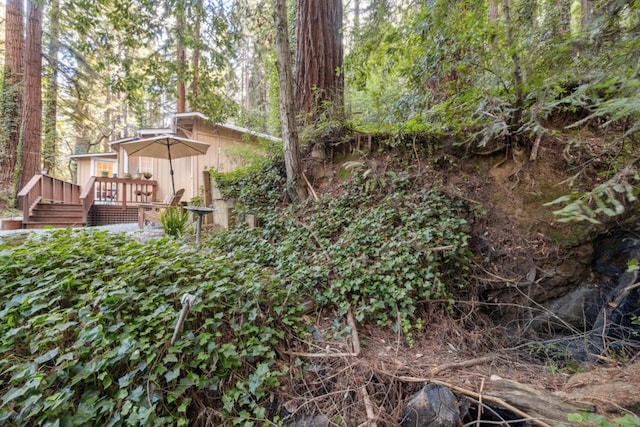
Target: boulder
433,406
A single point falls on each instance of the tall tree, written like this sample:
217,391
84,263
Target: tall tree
514,120
182,57
29,149
50,143
195,55
295,185
587,12
493,10
11,103
319,57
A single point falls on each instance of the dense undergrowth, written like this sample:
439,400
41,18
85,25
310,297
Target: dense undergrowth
87,316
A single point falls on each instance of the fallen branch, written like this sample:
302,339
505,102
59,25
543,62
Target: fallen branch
495,400
368,407
355,340
319,243
542,404
439,248
319,355
479,417
463,364
485,397
313,192
355,343
536,146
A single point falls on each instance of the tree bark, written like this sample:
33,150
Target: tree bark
30,147
49,147
564,12
295,185
356,16
493,10
181,59
319,58
587,12
195,57
516,115
11,104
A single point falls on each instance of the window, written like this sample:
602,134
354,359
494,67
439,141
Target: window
145,164
103,165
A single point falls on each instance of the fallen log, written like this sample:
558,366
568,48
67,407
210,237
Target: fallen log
537,404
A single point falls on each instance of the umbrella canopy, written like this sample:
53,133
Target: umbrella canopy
166,147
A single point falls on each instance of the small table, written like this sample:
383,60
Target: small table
200,211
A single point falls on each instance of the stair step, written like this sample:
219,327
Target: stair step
52,224
54,218
57,208
56,215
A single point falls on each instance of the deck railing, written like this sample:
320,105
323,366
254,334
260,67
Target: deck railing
121,192
46,188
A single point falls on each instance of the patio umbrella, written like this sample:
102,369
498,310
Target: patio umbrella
166,147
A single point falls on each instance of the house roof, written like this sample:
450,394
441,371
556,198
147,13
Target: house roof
154,131
97,155
196,114
178,117
250,132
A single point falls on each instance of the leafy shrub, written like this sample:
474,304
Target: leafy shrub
381,254
174,220
86,323
258,187
605,200
87,316
600,420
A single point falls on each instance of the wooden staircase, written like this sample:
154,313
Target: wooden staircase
56,215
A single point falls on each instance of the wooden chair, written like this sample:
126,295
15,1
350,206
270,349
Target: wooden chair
150,212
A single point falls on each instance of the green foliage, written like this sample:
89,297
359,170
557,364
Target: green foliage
607,199
446,68
87,316
259,186
372,181
86,322
383,252
602,421
174,220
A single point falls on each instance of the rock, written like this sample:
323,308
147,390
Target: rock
577,309
310,421
612,253
615,328
433,406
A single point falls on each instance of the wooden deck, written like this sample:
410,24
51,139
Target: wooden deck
48,201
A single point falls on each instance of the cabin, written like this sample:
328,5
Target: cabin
231,147
110,186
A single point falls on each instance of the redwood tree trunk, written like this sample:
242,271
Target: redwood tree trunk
182,60
518,103
319,57
195,61
493,10
587,12
295,184
564,12
50,144
29,151
11,103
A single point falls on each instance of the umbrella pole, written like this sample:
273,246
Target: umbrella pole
173,183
